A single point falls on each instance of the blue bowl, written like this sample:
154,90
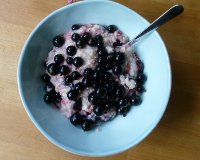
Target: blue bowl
121,133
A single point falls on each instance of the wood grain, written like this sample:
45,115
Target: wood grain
177,137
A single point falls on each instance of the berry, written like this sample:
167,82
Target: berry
88,72
99,38
86,82
117,70
107,76
92,42
141,78
99,68
101,61
48,98
111,28
101,92
98,110
109,86
69,60
72,95
86,125
76,118
71,50
75,37
64,70
86,36
78,86
58,59
109,105
140,88
77,105
58,41
58,97
78,61
92,98
68,80
49,88
119,92
101,52
75,75
99,45
123,110
45,78
81,43
123,102
96,75
119,58
53,69
76,26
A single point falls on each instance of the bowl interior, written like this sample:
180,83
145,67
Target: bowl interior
121,133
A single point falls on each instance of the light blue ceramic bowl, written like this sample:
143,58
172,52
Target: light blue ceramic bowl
121,133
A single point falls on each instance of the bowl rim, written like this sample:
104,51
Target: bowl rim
70,149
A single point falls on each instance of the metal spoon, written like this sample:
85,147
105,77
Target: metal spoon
165,17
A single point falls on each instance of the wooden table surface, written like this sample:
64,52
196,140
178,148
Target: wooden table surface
177,137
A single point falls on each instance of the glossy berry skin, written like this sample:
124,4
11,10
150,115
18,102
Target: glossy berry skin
58,59
81,43
96,75
68,80
123,110
111,28
135,100
100,92
49,88
86,82
119,92
119,58
92,42
69,60
140,88
101,52
75,37
99,38
48,98
86,36
71,50
88,73
86,125
92,98
98,110
64,70
78,61
76,119
79,86
75,75
77,105
117,70
72,95
76,26
109,86
58,97
141,78
101,60
123,102
58,41
53,69
45,78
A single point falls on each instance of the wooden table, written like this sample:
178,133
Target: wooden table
177,137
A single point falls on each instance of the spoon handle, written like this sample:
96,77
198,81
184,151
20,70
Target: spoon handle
165,17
